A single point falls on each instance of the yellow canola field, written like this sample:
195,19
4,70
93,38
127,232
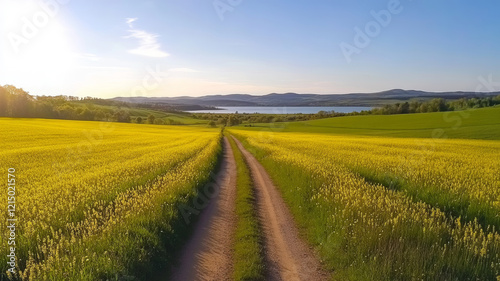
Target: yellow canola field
468,168
81,186
371,223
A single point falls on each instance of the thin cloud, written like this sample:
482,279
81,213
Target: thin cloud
130,21
148,43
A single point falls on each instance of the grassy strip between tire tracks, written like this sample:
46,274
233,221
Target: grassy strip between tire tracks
248,252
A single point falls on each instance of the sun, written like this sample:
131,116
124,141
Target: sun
38,44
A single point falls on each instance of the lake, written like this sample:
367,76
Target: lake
283,109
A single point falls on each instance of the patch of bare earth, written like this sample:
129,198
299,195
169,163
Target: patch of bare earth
208,253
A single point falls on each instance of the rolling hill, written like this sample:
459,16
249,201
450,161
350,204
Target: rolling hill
293,99
483,123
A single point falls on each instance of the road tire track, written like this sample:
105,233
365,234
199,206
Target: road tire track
287,256
208,253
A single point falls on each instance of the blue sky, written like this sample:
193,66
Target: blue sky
113,48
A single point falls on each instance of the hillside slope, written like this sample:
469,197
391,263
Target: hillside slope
293,99
481,123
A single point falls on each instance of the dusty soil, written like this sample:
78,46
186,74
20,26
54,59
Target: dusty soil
208,253
287,256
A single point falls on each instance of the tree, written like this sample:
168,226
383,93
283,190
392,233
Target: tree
21,103
233,120
322,114
221,121
159,121
3,101
138,120
414,106
86,114
424,108
45,109
122,116
151,119
262,119
278,119
66,112
99,115
404,108
438,105
211,124
496,99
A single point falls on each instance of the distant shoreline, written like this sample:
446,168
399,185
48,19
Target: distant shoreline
281,109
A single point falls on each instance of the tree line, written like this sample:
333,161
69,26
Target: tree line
436,105
237,119
16,102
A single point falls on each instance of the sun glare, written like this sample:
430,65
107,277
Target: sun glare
38,44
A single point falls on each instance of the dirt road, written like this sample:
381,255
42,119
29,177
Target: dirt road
288,257
208,253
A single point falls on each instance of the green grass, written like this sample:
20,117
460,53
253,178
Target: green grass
481,123
248,252
179,118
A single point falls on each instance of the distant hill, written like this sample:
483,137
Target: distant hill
293,99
